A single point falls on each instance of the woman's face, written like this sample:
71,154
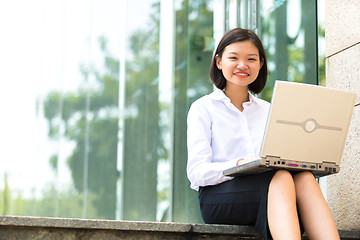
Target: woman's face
240,63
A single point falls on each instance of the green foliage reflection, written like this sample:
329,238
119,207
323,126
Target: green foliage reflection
70,110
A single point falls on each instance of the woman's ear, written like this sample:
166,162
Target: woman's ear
261,63
218,62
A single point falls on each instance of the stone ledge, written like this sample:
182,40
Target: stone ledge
15,221
14,227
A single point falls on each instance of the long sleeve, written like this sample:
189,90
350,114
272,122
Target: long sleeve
201,170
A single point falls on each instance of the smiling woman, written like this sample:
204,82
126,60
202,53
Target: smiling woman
273,202
240,64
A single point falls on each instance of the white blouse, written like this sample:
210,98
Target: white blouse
219,134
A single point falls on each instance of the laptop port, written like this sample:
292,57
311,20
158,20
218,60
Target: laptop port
293,165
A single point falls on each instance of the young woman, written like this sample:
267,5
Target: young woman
227,126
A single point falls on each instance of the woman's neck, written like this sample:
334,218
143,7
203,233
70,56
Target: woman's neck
237,95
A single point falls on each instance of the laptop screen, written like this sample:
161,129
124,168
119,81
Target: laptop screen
307,123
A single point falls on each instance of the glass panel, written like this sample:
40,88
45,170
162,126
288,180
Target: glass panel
288,30
194,46
59,63
143,146
321,41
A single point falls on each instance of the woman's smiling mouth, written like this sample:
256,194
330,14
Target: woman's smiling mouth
241,74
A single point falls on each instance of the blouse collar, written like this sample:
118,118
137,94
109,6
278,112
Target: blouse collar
219,94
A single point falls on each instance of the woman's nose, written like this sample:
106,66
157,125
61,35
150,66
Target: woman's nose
241,65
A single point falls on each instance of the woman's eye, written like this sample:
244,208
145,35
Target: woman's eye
252,59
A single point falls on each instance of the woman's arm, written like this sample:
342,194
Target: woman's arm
201,170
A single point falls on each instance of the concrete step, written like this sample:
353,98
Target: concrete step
34,228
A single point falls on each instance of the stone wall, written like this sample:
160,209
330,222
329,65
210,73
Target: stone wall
342,36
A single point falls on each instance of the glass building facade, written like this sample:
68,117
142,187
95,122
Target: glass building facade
95,97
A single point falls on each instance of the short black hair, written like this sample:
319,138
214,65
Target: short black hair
239,35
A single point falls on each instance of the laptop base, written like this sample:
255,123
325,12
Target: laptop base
263,165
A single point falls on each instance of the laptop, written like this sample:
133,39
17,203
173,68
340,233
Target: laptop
306,130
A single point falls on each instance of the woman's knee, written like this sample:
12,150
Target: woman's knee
304,179
305,182
282,177
281,190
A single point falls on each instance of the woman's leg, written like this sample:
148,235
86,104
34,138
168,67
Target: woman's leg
282,212
313,209
240,201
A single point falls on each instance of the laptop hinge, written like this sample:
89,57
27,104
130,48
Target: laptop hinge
272,158
329,163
